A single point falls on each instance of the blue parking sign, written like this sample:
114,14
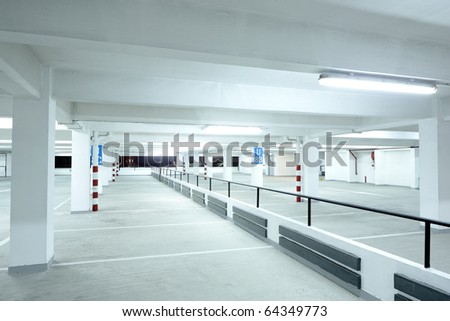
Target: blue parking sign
257,155
100,154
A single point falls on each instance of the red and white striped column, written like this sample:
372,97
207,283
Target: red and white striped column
95,188
95,172
298,181
114,172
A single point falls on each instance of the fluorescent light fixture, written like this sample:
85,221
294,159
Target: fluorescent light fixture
382,134
232,130
63,142
5,123
372,83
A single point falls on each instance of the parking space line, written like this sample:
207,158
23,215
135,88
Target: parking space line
355,192
136,227
149,257
5,241
384,236
61,204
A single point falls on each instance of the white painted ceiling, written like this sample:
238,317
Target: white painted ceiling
159,67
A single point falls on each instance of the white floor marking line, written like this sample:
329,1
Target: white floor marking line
384,236
133,211
346,190
137,202
4,241
162,256
5,190
136,227
61,204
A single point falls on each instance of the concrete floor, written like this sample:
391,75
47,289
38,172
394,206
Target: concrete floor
149,242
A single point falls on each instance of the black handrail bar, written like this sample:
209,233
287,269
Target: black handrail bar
324,200
425,220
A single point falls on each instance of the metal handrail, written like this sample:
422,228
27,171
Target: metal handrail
427,221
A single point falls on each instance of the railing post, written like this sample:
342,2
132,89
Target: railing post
187,177
427,244
229,189
309,212
210,184
257,197
197,180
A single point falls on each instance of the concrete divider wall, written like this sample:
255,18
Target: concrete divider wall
377,267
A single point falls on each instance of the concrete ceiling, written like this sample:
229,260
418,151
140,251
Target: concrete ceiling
159,67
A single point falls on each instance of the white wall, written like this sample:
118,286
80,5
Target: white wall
5,165
63,171
281,168
398,167
338,172
2,165
395,167
132,171
366,170
248,169
8,164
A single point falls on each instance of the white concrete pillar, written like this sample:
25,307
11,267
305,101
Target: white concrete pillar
198,170
81,174
257,174
311,166
380,167
414,158
227,165
189,169
32,183
257,177
434,169
108,170
105,176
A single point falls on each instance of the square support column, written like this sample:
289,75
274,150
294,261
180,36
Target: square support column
434,169
228,164
33,181
81,172
311,166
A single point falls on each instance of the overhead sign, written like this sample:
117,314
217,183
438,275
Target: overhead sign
100,154
257,155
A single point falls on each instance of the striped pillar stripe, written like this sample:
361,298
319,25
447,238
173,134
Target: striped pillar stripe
95,188
206,171
298,182
114,172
